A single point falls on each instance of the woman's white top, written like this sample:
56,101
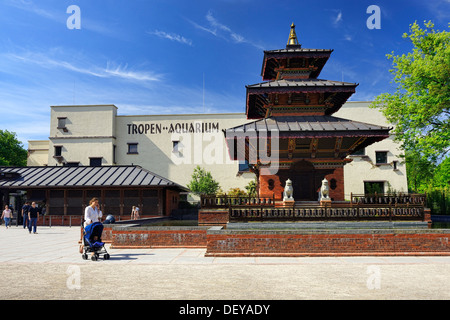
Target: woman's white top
91,215
7,213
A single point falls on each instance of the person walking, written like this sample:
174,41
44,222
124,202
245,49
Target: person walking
25,210
7,215
92,212
33,215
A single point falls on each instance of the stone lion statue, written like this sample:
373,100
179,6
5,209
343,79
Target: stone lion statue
324,190
288,191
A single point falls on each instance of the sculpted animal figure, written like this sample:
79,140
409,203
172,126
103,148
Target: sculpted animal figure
288,191
324,190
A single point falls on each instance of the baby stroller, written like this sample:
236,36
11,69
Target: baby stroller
92,241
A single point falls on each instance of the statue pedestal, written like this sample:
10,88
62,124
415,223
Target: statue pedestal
325,203
288,203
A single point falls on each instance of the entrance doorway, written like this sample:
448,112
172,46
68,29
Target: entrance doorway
303,185
303,176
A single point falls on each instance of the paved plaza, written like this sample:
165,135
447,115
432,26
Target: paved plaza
47,265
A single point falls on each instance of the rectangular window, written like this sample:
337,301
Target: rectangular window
61,122
395,163
95,162
58,151
373,187
381,157
132,148
175,146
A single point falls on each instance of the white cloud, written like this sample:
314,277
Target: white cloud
110,71
223,31
28,5
337,19
171,36
123,72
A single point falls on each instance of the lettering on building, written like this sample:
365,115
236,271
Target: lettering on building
178,127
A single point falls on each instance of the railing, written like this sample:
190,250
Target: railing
361,207
235,201
389,199
319,213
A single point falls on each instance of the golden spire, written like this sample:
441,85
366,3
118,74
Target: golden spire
292,37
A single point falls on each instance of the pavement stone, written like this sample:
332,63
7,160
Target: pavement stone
55,270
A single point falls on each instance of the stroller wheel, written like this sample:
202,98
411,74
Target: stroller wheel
106,256
94,257
84,256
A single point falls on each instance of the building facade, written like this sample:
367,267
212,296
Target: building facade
173,145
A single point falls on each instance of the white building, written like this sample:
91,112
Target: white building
173,145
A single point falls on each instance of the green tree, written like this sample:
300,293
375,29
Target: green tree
419,108
441,177
419,171
12,152
251,188
202,182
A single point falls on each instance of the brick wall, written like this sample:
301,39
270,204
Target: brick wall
260,244
159,238
278,187
213,217
338,193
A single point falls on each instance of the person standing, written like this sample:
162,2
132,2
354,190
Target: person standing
33,215
25,209
136,213
133,212
7,215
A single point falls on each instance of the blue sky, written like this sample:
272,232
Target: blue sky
167,56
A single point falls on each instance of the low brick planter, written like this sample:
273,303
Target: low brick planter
158,237
327,242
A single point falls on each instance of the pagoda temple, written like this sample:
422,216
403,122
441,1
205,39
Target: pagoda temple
296,108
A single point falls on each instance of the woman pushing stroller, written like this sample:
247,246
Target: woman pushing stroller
92,216
92,213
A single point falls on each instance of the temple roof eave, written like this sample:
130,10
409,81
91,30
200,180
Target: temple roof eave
304,84
341,90
312,125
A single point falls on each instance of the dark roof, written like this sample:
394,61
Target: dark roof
312,126
256,93
312,83
272,59
356,133
102,176
297,49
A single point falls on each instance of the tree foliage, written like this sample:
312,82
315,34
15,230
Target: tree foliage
12,152
420,106
202,182
252,188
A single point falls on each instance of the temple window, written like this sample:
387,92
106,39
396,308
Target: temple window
381,157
